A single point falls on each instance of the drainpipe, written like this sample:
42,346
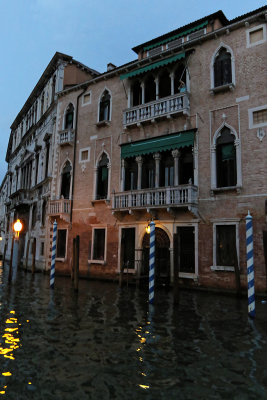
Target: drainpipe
74,153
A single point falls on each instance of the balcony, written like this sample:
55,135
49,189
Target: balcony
66,137
60,208
163,108
166,197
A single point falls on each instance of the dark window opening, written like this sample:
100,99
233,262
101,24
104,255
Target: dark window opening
47,158
36,168
166,169
99,244
65,181
34,215
61,243
150,89
69,117
43,212
222,68
128,247
104,108
131,171
148,173
186,168
102,178
184,249
164,84
226,159
137,93
225,245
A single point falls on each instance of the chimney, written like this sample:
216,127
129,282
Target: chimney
110,67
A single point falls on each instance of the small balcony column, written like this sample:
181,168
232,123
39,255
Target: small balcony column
195,161
157,158
123,166
176,155
139,160
129,97
172,83
143,92
156,80
213,167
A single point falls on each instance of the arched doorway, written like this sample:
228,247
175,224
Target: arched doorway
162,257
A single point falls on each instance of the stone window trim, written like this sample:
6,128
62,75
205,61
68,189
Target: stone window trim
96,168
213,165
228,86
104,122
63,165
87,98
223,222
96,261
65,113
81,151
250,117
254,29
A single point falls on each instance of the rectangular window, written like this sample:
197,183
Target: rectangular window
84,154
87,98
128,248
61,243
257,117
225,245
256,35
99,236
41,248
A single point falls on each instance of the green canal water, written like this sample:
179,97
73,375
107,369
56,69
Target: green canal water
107,343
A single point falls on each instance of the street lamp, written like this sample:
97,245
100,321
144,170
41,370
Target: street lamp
17,227
148,229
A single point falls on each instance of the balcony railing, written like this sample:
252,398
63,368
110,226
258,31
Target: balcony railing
66,137
183,195
59,207
178,103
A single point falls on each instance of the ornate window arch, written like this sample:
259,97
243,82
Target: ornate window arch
102,176
68,121
66,180
222,67
104,106
226,158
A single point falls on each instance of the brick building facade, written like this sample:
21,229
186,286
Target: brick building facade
177,136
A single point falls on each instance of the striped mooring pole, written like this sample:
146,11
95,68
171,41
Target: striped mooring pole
53,262
250,266
152,262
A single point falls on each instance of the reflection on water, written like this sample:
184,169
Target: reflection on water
106,343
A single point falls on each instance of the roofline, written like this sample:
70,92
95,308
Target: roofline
218,14
45,75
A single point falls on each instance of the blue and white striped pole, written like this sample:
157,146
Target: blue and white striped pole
152,262
250,266
53,262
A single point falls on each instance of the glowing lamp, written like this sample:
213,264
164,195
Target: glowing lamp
17,227
148,229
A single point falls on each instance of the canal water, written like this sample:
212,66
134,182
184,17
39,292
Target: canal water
107,343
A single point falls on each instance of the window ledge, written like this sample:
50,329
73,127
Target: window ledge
222,268
226,189
103,123
61,259
102,262
223,88
99,201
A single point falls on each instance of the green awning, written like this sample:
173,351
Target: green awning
168,142
153,66
171,38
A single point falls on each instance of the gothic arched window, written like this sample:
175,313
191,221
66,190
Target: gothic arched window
222,68
104,107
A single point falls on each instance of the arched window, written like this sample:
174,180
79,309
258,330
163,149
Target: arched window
150,89
69,117
102,178
137,93
66,181
104,107
222,68
226,159
164,84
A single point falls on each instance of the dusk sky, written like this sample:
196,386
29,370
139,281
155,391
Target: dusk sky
92,32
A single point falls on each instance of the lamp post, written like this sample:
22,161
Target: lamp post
17,227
